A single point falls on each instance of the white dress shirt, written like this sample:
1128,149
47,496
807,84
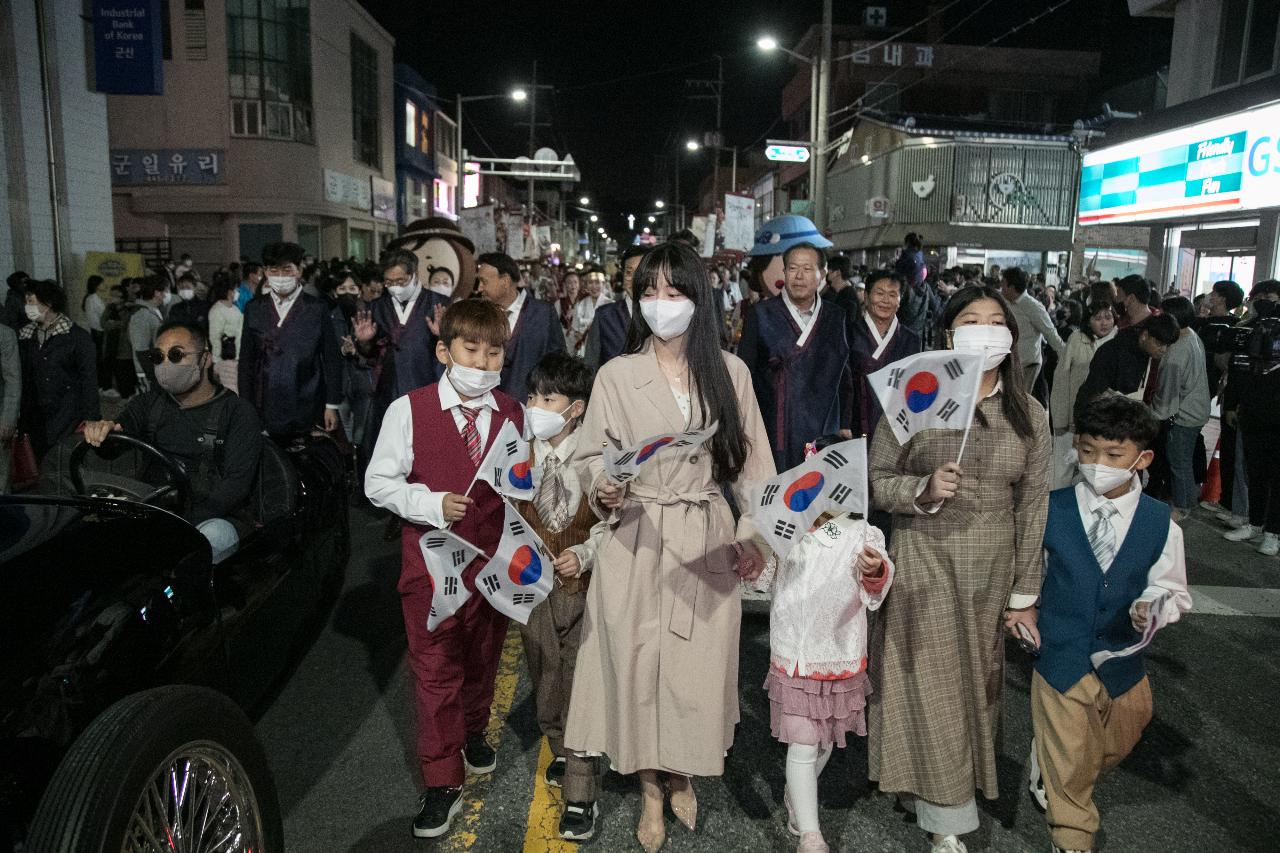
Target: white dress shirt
404,310
386,480
284,303
513,310
586,551
1168,574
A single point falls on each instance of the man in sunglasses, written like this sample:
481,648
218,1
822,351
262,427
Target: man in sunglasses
214,434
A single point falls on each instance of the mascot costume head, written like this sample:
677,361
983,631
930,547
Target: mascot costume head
778,235
446,257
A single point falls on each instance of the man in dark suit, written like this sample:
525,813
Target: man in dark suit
290,366
608,336
535,326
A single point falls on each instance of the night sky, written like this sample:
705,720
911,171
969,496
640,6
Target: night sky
619,69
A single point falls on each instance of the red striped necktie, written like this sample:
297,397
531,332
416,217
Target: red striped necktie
471,435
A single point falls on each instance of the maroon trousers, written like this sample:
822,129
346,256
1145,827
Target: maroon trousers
454,668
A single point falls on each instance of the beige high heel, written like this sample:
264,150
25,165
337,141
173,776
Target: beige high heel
687,813
651,835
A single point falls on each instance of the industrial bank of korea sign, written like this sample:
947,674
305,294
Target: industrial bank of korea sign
1225,164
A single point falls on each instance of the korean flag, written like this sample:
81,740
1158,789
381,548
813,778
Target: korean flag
508,466
520,574
446,555
785,507
623,464
930,390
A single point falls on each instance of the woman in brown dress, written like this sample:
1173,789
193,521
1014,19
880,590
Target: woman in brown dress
967,544
656,687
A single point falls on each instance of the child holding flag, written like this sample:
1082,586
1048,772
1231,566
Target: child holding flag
423,466
559,386
1114,573
817,679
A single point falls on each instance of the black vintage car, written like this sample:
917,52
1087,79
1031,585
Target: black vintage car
127,657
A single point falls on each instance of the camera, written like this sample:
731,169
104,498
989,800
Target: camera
1256,345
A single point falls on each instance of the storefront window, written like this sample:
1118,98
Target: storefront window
364,103
1115,263
410,123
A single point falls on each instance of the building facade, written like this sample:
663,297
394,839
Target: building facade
426,143
275,124
1201,177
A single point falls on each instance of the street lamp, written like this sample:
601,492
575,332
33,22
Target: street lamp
595,218
515,95
652,219
659,204
584,200
692,145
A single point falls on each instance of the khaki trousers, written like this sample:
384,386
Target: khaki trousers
1079,734
551,642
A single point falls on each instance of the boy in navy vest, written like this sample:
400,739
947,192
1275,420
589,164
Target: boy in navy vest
430,446
1114,568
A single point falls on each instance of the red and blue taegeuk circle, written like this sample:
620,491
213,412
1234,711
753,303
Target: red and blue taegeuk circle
804,491
520,475
653,447
525,566
921,390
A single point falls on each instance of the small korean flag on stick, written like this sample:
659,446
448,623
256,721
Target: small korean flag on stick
930,390
508,465
623,464
786,506
446,555
520,574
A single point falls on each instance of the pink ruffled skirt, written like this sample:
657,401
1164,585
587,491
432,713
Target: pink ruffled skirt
816,713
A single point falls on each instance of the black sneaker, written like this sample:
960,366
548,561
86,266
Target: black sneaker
478,755
555,772
439,805
578,823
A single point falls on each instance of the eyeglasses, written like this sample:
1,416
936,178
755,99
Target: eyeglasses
396,282
175,355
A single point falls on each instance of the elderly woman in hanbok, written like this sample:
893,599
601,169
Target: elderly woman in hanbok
967,545
656,686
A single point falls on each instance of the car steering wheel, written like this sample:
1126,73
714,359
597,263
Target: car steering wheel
177,480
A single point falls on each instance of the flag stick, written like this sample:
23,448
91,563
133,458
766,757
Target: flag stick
977,389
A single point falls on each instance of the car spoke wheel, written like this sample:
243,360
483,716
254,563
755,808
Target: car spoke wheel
198,800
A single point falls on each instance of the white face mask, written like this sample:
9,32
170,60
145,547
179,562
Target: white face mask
470,382
282,285
994,341
544,423
667,318
1103,478
186,294
444,287
403,293
34,314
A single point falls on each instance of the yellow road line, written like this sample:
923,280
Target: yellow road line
542,834
464,836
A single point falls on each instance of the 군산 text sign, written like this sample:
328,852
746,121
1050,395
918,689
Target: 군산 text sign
128,48
1224,164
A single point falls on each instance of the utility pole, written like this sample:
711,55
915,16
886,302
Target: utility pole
533,126
716,87
820,147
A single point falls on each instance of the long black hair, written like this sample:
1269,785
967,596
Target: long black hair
1014,398
678,263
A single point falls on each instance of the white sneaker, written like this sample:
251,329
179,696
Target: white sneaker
1270,545
1214,507
1242,534
1036,787
949,844
1237,521
111,394
1057,849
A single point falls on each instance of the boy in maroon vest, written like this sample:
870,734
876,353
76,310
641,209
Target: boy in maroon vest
427,453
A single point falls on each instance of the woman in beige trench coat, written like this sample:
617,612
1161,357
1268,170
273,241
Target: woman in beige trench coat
656,685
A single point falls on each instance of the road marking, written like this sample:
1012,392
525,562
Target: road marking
1236,601
467,824
543,833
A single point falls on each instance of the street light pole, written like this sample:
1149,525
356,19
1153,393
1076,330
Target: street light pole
820,143
459,192
533,125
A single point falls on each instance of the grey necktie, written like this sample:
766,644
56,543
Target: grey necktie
552,498
1102,536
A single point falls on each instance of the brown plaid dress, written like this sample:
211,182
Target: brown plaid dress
937,646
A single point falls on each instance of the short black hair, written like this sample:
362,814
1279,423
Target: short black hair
503,263
636,251
1264,287
249,268
17,280
1137,287
821,253
279,254
392,258
49,293
1015,277
913,241
1180,309
1162,327
197,334
148,287
842,264
561,373
93,283
1231,293
1117,418
880,275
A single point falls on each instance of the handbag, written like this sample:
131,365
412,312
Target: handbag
24,471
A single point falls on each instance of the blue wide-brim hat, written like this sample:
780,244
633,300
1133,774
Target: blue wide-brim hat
783,232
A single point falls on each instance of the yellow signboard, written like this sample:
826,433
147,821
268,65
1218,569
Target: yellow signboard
113,266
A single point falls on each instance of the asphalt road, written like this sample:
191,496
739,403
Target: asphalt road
1204,777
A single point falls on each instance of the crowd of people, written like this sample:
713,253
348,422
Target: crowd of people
1092,405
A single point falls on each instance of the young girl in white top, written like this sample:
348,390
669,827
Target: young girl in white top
817,679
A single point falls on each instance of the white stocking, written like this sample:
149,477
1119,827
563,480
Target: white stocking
804,764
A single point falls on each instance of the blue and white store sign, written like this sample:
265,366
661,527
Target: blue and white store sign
1226,164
